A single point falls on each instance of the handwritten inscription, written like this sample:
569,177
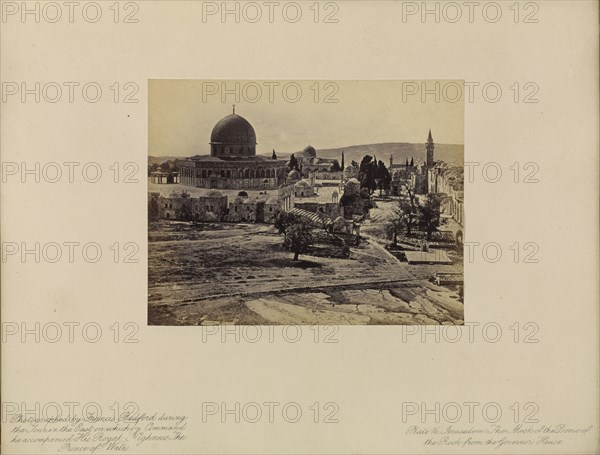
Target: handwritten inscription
496,436
92,434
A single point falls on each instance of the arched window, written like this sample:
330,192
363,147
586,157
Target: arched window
228,174
223,173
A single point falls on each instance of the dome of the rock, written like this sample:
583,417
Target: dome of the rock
233,136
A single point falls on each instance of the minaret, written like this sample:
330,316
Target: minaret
429,148
343,161
391,160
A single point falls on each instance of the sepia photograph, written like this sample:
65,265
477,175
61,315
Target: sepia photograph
305,202
294,227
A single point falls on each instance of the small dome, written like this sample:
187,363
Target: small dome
242,194
302,184
214,193
352,181
294,175
309,150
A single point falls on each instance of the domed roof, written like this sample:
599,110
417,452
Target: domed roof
233,129
214,193
302,184
353,181
294,175
309,150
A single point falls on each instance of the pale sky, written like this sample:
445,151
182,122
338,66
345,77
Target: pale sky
182,113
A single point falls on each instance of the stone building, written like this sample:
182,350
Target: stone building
411,175
447,180
309,161
303,189
180,206
162,176
246,210
233,162
262,208
210,207
177,206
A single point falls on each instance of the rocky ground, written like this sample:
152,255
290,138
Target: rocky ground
239,274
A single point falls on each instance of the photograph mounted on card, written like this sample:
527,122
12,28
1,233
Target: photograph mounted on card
305,202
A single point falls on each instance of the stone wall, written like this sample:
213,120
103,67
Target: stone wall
209,208
174,208
243,211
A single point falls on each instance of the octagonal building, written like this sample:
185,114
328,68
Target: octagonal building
233,162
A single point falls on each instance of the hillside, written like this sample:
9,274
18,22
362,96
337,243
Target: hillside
401,151
452,153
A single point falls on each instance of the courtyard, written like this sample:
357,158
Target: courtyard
222,273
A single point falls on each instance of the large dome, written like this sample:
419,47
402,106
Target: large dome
233,136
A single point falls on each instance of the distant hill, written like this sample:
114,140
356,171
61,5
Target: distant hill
160,159
451,153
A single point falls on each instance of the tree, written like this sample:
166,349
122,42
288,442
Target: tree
395,226
274,155
367,172
293,162
153,205
412,162
382,177
429,214
283,220
298,238
408,206
335,167
354,164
